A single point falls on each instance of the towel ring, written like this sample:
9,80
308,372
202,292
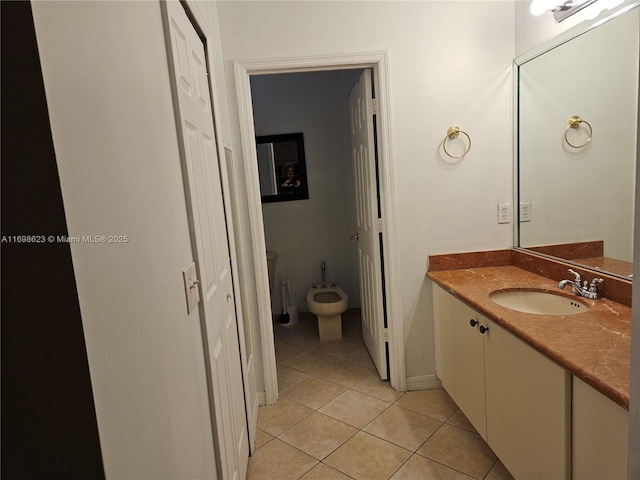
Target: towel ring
574,122
452,133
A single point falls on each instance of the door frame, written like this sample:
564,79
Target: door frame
377,60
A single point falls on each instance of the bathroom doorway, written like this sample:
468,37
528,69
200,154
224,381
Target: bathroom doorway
314,231
377,62
333,113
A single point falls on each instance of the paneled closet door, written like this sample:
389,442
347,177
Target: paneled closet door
209,239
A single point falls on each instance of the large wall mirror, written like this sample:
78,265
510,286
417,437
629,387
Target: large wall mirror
282,168
576,177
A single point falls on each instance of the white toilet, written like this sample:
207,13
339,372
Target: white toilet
328,303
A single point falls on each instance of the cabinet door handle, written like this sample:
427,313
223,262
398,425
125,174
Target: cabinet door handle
483,329
473,322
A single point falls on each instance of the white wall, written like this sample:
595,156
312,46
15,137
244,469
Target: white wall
450,63
591,196
305,232
107,84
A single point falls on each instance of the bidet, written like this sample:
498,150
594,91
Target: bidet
328,304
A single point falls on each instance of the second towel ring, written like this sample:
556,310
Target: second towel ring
452,133
574,122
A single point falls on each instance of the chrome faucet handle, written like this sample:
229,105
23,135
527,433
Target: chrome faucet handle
576,275
314,284
593,288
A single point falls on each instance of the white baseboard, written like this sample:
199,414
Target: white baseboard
423,382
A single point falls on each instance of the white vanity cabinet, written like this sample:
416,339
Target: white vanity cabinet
460,356
600,430
528,401
517,399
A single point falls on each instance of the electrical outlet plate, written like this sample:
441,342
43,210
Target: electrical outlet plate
525,211
504,213
191,288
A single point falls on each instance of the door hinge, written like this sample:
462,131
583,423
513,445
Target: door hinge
385,334
379,225
374,106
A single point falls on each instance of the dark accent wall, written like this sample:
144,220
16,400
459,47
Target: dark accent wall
49,427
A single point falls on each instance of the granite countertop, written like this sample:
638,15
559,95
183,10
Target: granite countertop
594,346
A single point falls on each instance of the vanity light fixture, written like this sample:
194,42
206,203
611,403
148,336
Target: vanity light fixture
561,8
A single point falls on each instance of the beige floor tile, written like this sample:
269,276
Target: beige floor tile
418,467
286,351
324,472
275,419
391,432
460,449
317,435
307,340
376,387
360,356
459,420
336,348
310,362
289,377
354,408
403,427
313,392
434,402
303,333
364,456
344,373
499,472
279,461
262,438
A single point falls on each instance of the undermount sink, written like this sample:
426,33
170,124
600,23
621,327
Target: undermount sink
538,302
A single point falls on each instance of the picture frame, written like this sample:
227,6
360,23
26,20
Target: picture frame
282,167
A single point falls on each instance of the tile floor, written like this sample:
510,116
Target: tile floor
335,419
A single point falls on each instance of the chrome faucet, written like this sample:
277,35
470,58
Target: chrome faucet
585,289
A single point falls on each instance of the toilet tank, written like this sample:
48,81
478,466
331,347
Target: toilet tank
272,257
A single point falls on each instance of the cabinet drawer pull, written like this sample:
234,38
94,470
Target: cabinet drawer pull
483,329
473,322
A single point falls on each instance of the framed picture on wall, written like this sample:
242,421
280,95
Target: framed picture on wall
281,167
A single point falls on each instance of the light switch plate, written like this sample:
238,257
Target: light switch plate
191,286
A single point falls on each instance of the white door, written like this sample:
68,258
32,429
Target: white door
209,239
361,106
